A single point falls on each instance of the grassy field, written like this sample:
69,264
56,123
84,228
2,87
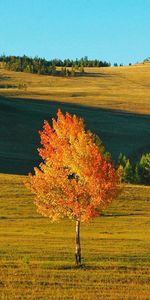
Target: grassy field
109,99
37,258
121,88
113,101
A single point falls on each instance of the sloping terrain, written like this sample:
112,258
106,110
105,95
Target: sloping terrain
36,258
22,119
114,103
121,88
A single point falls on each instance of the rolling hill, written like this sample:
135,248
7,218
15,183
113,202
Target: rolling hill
115,103
36,258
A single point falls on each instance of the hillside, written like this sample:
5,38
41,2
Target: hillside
121,88
113,101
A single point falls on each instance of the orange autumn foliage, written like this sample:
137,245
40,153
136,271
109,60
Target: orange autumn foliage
75,179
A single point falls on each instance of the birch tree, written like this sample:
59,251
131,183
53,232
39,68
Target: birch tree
75,180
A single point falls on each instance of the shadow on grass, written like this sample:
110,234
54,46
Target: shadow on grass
8,86
3,77
89,74
72,267
21,119
86,267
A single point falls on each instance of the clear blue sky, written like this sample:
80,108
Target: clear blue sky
112,30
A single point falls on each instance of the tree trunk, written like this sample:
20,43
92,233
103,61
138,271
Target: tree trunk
78,245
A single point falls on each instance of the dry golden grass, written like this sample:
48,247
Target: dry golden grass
121,88
116,88
37,258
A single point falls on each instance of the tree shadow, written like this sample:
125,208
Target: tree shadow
75,267
4,78
8,86
86,267
90,74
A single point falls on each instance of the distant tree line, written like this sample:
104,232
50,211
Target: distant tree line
138,173
38,65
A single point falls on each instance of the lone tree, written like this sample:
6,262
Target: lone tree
75,180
